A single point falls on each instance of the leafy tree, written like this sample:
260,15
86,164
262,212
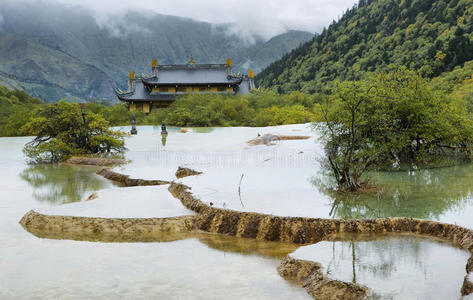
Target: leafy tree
390,119
349,150
62,130
430,36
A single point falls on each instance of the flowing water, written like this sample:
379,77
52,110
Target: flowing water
283,179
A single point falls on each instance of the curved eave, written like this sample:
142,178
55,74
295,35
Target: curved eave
123,96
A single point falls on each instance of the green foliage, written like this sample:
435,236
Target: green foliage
429,36
16,107
63,130
260,108
458,84
390,119
117,114
450,81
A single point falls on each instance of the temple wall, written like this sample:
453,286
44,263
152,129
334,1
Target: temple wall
146,107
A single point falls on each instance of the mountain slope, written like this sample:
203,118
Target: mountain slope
275,48
426,35
49,72
58,51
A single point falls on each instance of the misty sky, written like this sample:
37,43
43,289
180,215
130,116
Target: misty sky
265,18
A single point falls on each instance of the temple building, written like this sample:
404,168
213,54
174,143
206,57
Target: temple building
168,81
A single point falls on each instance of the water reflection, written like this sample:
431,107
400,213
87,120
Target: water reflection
59,184
423,194
373,260
171,129
164,137
244,246
203,129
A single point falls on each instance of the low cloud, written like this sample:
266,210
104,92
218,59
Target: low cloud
119,24
248,18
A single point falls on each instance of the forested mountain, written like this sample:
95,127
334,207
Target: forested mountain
425,35
56,51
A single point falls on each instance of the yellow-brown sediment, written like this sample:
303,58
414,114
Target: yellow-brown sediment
268,138
309,275
185,172
105,229
295,230
94,161
125,180
311,230
308,230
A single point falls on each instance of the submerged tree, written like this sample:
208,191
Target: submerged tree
390,118
62,130
349,150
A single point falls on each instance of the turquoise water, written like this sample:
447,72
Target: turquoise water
392,266
198,268
284,179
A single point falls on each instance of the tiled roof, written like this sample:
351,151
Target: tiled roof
191,74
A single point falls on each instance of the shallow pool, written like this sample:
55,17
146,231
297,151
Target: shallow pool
283,179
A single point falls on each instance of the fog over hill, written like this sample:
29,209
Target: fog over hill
55,50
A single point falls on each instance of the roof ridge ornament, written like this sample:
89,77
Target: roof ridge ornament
154,67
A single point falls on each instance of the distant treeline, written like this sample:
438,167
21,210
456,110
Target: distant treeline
259,108
16,109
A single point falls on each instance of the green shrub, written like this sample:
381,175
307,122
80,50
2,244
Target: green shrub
63,130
